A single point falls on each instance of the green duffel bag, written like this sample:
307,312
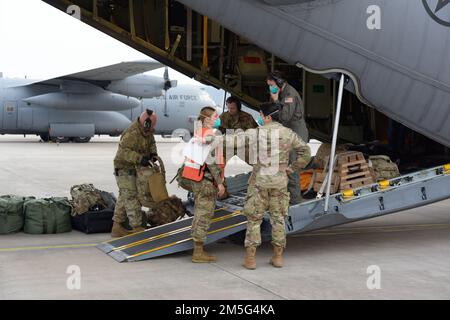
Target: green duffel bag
44,216
11,213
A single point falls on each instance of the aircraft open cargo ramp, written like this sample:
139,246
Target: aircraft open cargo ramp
413,190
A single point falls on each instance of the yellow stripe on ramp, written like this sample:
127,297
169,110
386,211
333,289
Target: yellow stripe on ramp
181,241
169,233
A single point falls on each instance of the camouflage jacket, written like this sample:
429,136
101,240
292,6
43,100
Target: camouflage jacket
133,145
273,156
213,171
242,121
293,112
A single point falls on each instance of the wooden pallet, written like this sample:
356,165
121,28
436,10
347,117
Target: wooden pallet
320,177
353,171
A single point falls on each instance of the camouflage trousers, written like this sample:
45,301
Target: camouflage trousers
133,194
205,193
295,194
260,200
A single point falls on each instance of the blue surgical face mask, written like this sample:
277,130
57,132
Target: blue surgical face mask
217,123
260,121
274,89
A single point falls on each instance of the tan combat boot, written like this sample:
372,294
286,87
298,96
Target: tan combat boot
201,256
119,231
137,229
277,258
250,259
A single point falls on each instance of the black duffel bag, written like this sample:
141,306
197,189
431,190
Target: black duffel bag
94,221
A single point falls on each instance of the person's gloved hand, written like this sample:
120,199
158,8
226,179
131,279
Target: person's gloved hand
145,160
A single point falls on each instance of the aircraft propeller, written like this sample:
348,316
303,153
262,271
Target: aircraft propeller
167,86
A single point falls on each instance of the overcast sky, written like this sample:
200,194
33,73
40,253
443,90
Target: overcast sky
41,42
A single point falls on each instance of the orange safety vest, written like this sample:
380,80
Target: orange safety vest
194,171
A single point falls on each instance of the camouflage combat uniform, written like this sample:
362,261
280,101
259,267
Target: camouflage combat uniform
205,193
268,183
292,116
243,121
130,176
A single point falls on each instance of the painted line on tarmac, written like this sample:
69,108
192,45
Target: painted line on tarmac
362,230
366,230
64,246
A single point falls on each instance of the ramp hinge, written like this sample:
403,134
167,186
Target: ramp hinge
290,225
381,203
424,194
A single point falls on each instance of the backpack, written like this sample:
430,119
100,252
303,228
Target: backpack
383,168
323,153
86,197
166,211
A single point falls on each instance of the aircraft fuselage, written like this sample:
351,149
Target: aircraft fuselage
18,115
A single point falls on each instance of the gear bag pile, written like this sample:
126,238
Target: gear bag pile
44,216
85,198
383,168
166,211
11,213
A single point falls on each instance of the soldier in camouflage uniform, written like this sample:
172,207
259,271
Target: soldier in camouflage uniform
268,183
292,116
206,190
235,119
137,148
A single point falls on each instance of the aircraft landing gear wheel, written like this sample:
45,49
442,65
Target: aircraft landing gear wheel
183,133
45,137
60,139
81,139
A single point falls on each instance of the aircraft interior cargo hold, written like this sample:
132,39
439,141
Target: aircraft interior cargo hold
398,90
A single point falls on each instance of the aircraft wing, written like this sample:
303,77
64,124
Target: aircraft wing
116,71
104,75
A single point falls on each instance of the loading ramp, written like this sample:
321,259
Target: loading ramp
402,193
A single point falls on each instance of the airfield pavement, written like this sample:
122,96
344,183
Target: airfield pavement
409,249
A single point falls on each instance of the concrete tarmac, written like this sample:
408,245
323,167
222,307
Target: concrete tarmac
409,251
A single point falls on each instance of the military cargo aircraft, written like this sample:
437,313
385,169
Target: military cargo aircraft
100,101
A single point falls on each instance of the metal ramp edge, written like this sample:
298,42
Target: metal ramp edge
173,237
406,192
